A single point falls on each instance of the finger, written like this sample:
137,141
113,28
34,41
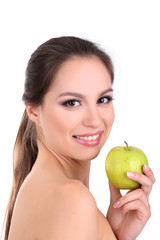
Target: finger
142,211
148,172
144,180
114,193
137,194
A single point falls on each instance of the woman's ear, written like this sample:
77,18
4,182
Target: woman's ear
33,113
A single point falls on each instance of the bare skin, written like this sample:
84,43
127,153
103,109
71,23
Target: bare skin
52,206
54,201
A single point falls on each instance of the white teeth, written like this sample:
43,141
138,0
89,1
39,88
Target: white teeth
89,138
95,137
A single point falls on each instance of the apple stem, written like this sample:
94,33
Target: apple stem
126,144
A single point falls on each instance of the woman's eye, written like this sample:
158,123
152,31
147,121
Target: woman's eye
71,103
106,99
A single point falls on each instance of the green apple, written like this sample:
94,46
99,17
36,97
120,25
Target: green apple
119,161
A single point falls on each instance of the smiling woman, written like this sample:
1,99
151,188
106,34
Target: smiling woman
67,119
82,114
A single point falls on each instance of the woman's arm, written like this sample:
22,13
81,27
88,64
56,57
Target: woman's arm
129,214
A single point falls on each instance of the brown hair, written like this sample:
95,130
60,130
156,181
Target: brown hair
41,71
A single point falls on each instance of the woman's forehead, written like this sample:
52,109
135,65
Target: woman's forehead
81,71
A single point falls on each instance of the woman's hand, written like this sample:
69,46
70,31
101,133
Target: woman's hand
128,214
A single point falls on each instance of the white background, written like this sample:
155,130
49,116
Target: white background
129,30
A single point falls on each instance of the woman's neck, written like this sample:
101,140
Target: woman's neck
64,167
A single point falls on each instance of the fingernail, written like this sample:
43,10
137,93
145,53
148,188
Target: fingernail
146,167
130,174
116,204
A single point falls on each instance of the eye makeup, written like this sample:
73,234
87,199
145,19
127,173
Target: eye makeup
105,100
71,103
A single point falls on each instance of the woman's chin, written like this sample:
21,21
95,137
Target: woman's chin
87,156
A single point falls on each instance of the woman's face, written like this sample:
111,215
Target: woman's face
77,112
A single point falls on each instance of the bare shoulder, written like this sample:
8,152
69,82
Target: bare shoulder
78,194
76,213
62,210
74,195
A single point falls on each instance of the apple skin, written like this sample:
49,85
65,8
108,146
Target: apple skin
119,161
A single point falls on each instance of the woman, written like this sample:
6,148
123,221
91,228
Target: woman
68,117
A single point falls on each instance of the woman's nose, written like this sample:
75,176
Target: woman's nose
92,117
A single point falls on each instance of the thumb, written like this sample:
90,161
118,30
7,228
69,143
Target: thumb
114,193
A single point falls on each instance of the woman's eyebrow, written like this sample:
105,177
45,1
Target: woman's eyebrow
79,95
106,91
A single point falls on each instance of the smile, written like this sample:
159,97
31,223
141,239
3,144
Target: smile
89,139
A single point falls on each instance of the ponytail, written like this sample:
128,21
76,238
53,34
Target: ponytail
24,156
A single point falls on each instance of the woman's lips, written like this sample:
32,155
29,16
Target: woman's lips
89,139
